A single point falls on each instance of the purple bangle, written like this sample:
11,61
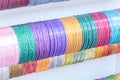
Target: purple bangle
118,10
51,36
34,28
100,79
40,44
60,37
46,40
56,36
41,38
61,30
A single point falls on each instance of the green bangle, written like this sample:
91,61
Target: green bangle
111,78
93,29
79,18
79,56
26,43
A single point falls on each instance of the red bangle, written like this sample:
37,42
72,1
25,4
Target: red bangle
118,48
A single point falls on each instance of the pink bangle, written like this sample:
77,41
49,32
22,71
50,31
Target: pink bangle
106,27
96,19
103,27
15,47
9,47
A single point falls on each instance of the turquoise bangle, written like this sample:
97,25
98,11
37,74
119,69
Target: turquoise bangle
93,29
79,18
26,43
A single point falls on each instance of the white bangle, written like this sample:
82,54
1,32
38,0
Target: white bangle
5,73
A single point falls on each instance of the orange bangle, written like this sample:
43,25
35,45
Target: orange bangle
69,30
105,50
46,63
111,47
39,66
78,33
117,75
73,33
42,65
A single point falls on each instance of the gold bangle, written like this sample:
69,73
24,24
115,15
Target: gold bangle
15,71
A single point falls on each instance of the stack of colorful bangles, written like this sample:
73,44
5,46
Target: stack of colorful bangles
44,39
58,42
7,4
112,77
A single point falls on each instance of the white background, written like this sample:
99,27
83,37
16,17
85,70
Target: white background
88,70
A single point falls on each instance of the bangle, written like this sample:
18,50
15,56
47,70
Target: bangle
92,30
118,48
90,54
99,52
79,56
57,37
60,60
77,33
10,50
105,50
24,68
68,59
101,79
15,71
39,66
101,28
42,65
84,31
14,3
111,78
61,36
5,73
114,49
51,38
69,30
26,47
118,76
29,67
112,16
32,67
54,62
